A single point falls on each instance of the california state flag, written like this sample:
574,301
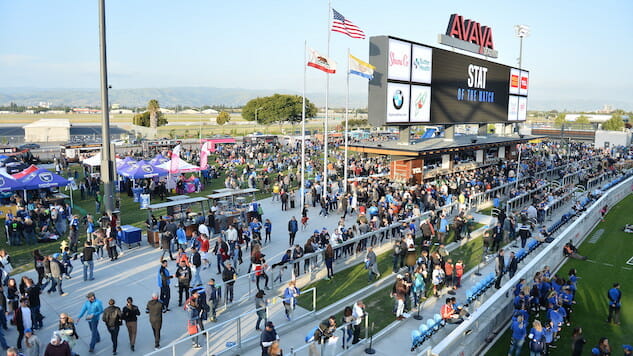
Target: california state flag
321,62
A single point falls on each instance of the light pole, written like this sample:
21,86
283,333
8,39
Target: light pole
107,168
521,32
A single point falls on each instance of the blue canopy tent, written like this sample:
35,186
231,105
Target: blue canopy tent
42,178
9,184
158,160
142,169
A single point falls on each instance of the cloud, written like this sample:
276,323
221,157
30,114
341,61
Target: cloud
15,59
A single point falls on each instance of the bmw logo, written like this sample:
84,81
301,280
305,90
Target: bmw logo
398,99
147,169
46,177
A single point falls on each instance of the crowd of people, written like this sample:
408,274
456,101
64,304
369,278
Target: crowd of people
375,202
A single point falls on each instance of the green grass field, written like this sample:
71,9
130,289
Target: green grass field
606,265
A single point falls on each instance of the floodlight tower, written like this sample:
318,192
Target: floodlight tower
521,32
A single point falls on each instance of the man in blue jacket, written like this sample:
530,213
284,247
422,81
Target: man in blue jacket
164,278
293,227
92,308
615,295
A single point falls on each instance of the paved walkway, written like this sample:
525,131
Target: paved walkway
134,274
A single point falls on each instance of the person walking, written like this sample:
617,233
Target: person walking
88,261
261,306
195,263
213,295
615,295
499,268
113,318
57,275
22,320
155,310
32,343
268,336
229,275
372,265
130,314
290,298
193,323
67,330
358,313
164,279
57,347
92,308
293,227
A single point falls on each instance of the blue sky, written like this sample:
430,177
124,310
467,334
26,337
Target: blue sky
576,50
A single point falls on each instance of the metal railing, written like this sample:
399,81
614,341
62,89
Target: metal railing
235,325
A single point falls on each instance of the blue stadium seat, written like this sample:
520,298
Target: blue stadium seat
415,337
438,319
431,324
423,328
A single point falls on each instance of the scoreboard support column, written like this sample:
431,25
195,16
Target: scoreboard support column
449,132
405,135
482,129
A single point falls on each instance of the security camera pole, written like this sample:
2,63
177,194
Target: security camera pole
107,176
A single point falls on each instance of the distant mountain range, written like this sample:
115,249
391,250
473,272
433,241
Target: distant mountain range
199,96
167,97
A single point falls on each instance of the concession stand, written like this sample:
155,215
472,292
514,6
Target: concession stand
183,211
231,204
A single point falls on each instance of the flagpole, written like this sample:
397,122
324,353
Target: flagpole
327,92
303,129
346,164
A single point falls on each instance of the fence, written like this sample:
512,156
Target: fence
525,198
239,328
492,316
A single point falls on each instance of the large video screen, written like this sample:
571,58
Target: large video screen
415,84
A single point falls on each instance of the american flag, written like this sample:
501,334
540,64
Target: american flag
345,26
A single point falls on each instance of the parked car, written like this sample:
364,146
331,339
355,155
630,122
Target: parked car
30,146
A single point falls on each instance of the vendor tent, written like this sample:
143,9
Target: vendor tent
120,163
8,184
93,161
42,178
142,169
25,172
159,159
181,166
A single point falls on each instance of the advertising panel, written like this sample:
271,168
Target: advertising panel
420,103
513,108
523,83
515,78
468,89
422,59
398,99
399,60
522,108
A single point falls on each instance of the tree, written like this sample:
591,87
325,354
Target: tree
153,117
154,109
223,118
277,108
560,119
582,119
615,123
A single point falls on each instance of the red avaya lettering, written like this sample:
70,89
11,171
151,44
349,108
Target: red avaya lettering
470,31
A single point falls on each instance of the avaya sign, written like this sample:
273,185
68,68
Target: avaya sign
470,36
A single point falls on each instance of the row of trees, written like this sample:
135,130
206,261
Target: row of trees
615,123
278,108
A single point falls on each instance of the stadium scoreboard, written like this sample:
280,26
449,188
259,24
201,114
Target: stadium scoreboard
416,84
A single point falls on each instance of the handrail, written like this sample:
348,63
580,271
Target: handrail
227,323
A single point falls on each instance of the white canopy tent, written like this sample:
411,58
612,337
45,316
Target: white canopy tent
180,166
